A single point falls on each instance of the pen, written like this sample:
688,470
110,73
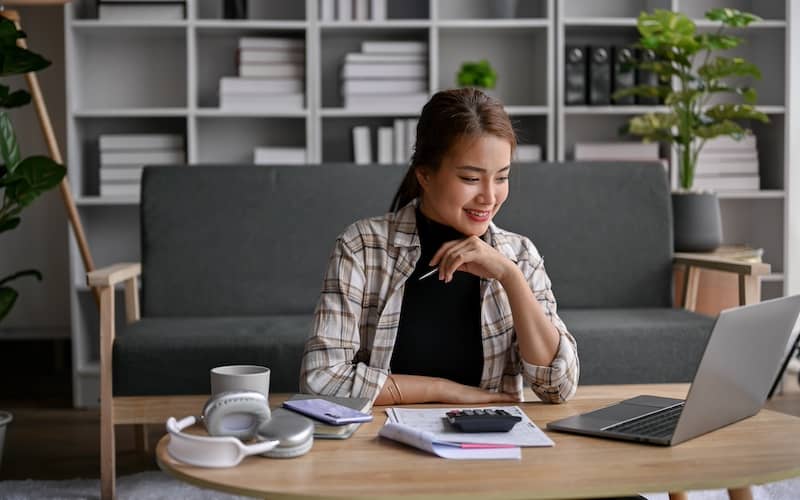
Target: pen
429,273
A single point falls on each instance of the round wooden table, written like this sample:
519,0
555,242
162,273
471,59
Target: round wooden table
757,450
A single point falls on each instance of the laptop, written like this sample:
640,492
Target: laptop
742,357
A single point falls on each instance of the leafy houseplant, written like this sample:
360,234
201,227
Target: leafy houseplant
22,180
690,75
477,74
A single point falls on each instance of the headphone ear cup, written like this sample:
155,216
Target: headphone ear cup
290,451
236,414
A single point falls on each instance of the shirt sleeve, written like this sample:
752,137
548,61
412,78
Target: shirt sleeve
557,382
332,364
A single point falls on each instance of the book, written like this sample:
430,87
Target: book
360,10
144,157
377,10
277,70
325,431
646,77
599,76
411,137
575,76
248,42
234,85
327,10
358,57
400,103
108,142
399,135
121,174
271,56
362,149
344,10
279,156
528,153
384,70
725,142
126,190
706,167
727,182
629,151
261,102
396,86
143,12
385,145
623,74
388,47
718,155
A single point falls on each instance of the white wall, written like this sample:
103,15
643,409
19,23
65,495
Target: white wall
40,241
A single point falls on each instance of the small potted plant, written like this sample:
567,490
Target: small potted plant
477,74
689,75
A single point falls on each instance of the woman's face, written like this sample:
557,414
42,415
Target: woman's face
470,185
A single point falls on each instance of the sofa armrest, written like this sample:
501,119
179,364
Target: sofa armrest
111,275
749,275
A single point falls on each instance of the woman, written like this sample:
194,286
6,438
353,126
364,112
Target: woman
484,321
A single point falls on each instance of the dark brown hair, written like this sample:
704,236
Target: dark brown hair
449,116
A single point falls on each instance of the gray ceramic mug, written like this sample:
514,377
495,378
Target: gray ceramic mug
240,378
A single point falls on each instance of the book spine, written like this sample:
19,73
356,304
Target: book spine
385,140
378,10
327,10
575,71
646,77
623,74
399,141
272,70
599,76
248,42
344,10
362,150
375,47
384,71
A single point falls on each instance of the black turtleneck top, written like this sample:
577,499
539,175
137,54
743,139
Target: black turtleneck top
439,334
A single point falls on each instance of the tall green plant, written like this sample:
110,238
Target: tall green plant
690,74
22,180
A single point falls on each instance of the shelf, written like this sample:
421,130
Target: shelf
389,24
765,24
129,112
494,23
612,110
527,110
763,194
344,112
225,113
248,24
91,201
772,110
97,24
37,333
600,22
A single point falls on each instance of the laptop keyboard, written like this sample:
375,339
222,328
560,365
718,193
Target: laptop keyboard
658,425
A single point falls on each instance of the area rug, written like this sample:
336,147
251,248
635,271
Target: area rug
156,485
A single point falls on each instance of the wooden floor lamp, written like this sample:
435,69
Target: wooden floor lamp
49,135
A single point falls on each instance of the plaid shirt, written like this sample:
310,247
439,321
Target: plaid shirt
356,319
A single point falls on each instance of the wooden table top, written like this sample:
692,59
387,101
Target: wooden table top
757,450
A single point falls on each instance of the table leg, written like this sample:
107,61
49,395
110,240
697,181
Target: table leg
678,495
740,493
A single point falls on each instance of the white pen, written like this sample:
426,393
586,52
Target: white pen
429,273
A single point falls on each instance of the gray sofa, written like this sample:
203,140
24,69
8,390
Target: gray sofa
233,257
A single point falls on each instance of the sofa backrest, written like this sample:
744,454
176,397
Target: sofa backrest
604,230
244,240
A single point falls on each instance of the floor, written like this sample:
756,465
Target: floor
50,440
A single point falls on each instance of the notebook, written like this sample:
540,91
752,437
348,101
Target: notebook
740,363
325,431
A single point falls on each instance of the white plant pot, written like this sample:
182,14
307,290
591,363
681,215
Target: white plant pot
5,419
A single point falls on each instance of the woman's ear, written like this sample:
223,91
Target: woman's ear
423,175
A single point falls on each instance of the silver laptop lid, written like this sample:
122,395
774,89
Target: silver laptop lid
739,365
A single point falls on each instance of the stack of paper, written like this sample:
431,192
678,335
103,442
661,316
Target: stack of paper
271,76
725,164
386,75
123,156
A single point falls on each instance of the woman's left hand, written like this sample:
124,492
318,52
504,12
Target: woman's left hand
472,255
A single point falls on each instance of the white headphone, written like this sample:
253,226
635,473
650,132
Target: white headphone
235,416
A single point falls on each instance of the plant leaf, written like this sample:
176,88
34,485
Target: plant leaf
721,67
9,33
726,127
7,298
9,224
17,61
36,174
725,112
731,17
16,99
716,41
19,274
9,149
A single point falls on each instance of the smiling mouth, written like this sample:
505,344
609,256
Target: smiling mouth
478,214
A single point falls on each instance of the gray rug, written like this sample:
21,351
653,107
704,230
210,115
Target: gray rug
155,485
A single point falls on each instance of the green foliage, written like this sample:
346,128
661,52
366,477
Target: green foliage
690,74
22,180
477,74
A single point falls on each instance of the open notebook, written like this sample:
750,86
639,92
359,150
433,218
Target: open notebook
325,431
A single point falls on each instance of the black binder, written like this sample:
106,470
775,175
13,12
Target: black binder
623,71
599,75
646,77
575,76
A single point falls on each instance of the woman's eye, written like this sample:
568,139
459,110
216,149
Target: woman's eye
470,179
502,179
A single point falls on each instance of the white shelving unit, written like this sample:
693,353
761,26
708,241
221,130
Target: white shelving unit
146,77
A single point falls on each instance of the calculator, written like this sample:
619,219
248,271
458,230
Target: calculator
482,420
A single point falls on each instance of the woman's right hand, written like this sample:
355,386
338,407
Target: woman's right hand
450,392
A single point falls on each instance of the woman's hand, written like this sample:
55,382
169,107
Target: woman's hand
472,255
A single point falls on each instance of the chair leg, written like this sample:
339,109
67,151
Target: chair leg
678,495
740,493
107,445
142,438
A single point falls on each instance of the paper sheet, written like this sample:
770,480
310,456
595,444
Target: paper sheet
434,421
425,441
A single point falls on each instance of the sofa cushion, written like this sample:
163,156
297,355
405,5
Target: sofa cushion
638,346
174,355
604,230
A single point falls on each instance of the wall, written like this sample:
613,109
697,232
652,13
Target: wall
40,241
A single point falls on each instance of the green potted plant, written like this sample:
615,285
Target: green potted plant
477,74
22,180
690,74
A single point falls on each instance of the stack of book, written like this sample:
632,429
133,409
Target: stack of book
271,76
123,156
725,164
616,151
141,10
395,143
386,75
268,155
352,10
527,153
